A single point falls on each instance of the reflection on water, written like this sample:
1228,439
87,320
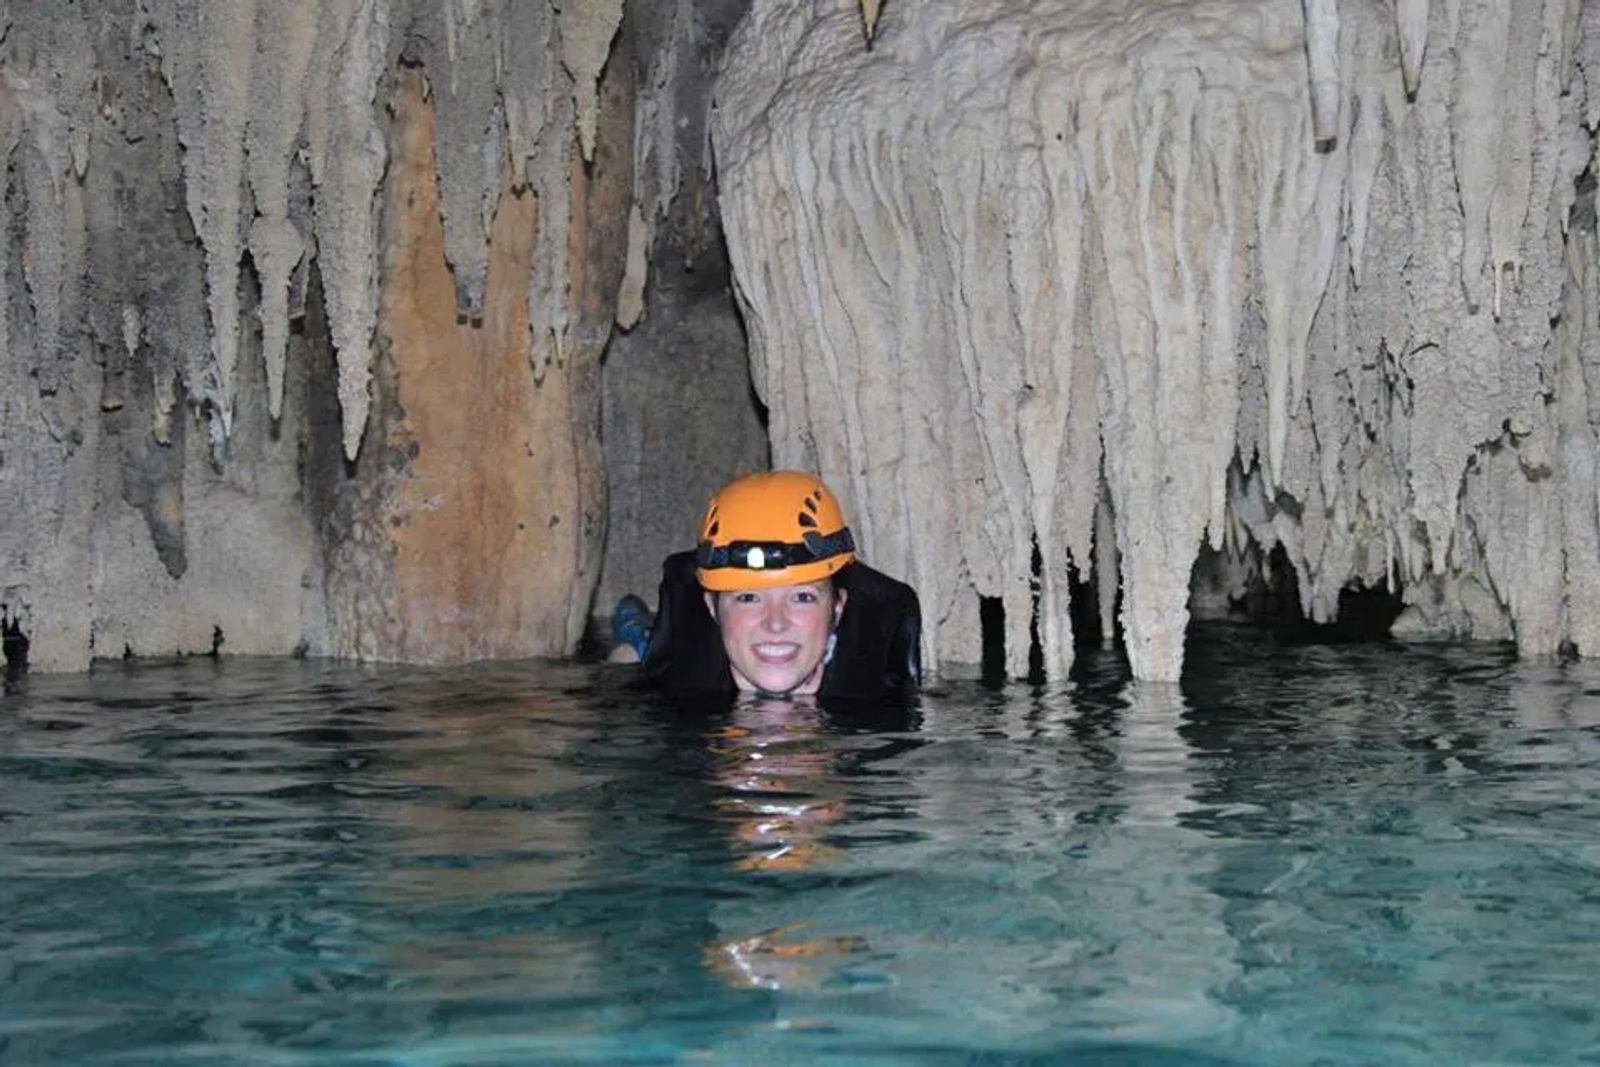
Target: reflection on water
1339,854
778,772
777,769
1174,949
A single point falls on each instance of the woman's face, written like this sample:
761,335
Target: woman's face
776,639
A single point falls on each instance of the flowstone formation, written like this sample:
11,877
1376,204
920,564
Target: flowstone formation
1244,274
301,325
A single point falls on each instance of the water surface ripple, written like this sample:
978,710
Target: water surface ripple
1304,854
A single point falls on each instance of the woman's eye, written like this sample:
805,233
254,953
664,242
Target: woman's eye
744,598
805,596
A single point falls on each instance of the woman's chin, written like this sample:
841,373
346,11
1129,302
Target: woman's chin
767,681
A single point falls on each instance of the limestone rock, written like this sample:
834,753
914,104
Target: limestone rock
207,436
1267,238
479,500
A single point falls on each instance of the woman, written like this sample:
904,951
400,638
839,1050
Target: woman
774,602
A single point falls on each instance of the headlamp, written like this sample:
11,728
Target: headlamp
774,555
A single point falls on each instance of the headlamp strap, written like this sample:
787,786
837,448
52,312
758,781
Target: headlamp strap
775,555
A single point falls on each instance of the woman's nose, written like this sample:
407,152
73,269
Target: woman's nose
776,618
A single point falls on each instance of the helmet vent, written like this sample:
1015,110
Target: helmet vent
711,531
806,520
811,505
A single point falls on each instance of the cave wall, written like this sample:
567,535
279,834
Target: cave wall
1238,273
678,418
485,489
302,320
307,334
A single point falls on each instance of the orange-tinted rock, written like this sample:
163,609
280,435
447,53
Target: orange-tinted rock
483,496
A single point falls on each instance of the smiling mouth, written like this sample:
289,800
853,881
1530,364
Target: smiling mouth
776,652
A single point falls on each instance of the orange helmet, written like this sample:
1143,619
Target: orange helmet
778,528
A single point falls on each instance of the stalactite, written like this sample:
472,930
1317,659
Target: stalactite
1302,257
275,128
658,166
529,83
15,397
1578,443
870,10
207,53
1322,56
44,164
347,163
1411,26
181,174
540,114
460,50
47,426
586,32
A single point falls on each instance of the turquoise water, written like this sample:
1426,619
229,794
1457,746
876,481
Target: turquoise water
1305,854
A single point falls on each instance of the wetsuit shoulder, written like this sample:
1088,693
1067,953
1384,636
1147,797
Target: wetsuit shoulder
879,646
